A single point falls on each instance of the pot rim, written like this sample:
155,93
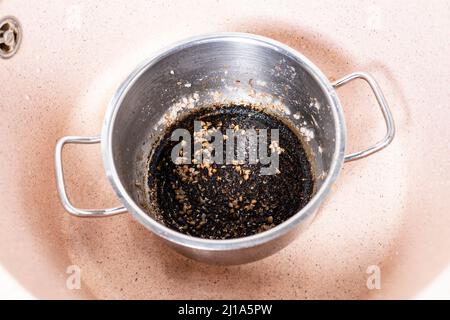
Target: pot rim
237,243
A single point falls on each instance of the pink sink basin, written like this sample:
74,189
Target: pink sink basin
389,211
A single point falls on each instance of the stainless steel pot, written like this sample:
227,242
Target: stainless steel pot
230,67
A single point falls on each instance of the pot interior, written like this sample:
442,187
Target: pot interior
222,69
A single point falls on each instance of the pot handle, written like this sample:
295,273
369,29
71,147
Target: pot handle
384,109
60,180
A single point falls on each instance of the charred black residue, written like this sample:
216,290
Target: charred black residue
223,201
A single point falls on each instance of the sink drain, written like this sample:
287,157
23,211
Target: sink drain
10,36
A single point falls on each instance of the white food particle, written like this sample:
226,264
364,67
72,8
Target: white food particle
261,83
317,105
275,147
314,103
307,133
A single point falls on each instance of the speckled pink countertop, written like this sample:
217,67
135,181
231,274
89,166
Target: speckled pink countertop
390,210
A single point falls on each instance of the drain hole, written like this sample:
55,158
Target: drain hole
10,36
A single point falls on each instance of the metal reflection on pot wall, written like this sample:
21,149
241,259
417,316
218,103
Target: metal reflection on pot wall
222,68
